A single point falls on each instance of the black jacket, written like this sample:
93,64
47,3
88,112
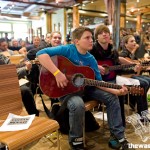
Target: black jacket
109,57
31,55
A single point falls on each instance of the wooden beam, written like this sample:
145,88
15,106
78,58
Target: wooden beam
34,17
140,11
11,15
75,17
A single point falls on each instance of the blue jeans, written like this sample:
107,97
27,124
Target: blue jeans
142,100
28,100
77,112
121,102
144,81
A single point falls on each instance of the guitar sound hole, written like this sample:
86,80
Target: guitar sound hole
78,80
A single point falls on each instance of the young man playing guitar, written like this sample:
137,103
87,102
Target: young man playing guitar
78,54
105,55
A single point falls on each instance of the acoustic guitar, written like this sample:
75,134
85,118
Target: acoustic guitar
110,68
22,62
78,76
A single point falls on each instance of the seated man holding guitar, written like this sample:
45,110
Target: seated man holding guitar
109,65
71,68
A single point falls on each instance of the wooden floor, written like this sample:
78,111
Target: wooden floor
96,140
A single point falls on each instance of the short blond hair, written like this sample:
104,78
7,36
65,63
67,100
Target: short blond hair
78,32
52,33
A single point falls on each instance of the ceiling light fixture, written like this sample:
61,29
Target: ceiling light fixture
138,1
132,10
92,2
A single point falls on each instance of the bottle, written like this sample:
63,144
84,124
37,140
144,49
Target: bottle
148,97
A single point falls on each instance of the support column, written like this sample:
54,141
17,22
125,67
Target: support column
65,23
139,23
75,17
123,14
116,26
48,23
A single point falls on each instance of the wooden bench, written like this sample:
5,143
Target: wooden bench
10,102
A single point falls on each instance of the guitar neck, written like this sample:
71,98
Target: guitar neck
134,90
36,61
120,67
92,82
22,63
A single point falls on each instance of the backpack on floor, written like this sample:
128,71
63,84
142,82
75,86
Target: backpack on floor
63,119
61,114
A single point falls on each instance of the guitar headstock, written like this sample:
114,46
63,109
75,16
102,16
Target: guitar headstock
136,90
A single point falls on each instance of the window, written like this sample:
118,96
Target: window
20,30
21,26
5,27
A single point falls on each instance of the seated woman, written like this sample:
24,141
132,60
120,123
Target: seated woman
147,51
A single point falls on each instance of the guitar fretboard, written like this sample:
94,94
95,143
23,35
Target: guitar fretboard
120,67
135,90
101,84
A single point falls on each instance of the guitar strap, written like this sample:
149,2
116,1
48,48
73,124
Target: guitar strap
62,107
47,111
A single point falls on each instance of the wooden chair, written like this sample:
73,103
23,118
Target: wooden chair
10,102
89,105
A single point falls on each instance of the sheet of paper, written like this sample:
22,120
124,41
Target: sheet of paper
99,115
120,80
15,122
22,81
